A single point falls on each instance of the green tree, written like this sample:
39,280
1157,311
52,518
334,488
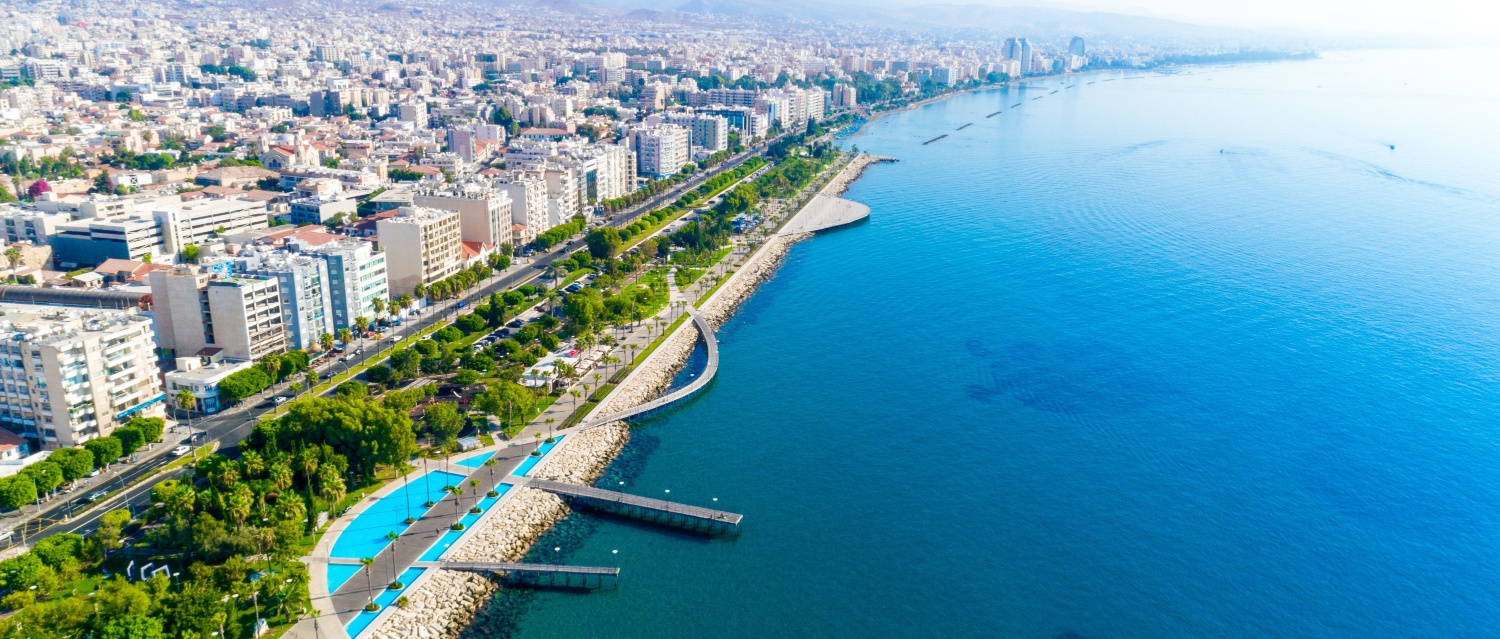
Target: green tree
17,491
13,255
46,475
76,463
106,449
131,440
445,422
604,243
133,627
190,253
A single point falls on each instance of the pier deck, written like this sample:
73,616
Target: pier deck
706,520
539,575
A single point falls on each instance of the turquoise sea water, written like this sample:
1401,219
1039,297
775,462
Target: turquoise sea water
1189,356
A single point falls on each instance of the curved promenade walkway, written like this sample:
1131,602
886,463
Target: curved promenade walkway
707,332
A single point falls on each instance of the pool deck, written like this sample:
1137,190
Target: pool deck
334,610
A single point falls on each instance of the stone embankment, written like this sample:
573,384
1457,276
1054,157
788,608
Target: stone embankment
582,456
508,534
743,283
654,376
440,608
851,172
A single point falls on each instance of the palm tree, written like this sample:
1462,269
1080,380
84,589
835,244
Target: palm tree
379,304
326,341
13,255
367,562
549,430
346,336
185,402
394,537
458,497
361,324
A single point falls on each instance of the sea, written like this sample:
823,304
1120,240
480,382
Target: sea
1211,352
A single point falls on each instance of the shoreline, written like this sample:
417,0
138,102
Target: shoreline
443,602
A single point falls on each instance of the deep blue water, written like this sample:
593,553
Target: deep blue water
1186,356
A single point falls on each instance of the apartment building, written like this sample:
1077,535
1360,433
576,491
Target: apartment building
528,207
422,246
22,225
483,211
707,132
306,312
240,317
356,278
71,375
661,150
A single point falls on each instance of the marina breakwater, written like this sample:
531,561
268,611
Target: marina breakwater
442,604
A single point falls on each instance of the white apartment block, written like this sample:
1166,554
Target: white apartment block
707,132
71,375
37,227
528,207
483,213
661,150
196,221
421,245
356,278
196,309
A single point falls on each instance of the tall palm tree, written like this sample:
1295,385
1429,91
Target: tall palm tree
458,497
394,537
367,562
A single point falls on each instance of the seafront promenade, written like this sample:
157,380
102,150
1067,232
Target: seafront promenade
443,599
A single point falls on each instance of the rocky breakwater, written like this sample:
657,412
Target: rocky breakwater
440,608
654,376
582,456
761,266
851,172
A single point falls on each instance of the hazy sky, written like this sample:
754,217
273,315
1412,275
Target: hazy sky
1381,16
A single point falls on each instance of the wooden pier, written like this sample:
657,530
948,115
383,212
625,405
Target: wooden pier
703,520
540,575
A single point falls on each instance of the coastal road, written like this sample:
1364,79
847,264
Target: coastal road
231,426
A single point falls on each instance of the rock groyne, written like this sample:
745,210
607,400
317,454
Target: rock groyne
582,456
440,608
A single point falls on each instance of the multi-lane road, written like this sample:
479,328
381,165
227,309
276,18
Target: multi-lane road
231,426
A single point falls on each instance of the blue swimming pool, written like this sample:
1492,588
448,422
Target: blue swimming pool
451,537
532,460
340,573
386,598
365,536
475,461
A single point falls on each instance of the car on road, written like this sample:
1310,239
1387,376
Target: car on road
95,496
392,339
181,450
516,323
279,400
